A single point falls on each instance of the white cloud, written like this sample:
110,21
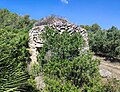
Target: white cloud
64,1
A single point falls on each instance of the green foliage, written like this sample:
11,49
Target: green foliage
35,69
13,52
32,82
113,28
93,28
67,64
12,20
64,67
63,45
106,42
54,84
13,58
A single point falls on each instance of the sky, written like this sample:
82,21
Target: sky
106,13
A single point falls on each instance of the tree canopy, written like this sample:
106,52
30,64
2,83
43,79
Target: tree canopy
106,42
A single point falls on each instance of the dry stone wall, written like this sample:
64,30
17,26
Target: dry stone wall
53,22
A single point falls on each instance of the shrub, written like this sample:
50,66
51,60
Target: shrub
105,42
66,63
35,69
13,58
56,85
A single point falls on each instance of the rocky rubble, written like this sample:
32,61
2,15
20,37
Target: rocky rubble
105,73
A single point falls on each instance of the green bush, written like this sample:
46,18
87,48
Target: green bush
67,64
105,42
14,21
13,59
54,84
35,70
13,51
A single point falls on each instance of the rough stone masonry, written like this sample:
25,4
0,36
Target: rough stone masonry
53,22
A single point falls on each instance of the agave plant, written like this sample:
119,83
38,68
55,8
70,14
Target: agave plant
13,57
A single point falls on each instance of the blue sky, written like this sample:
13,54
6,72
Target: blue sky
104,12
